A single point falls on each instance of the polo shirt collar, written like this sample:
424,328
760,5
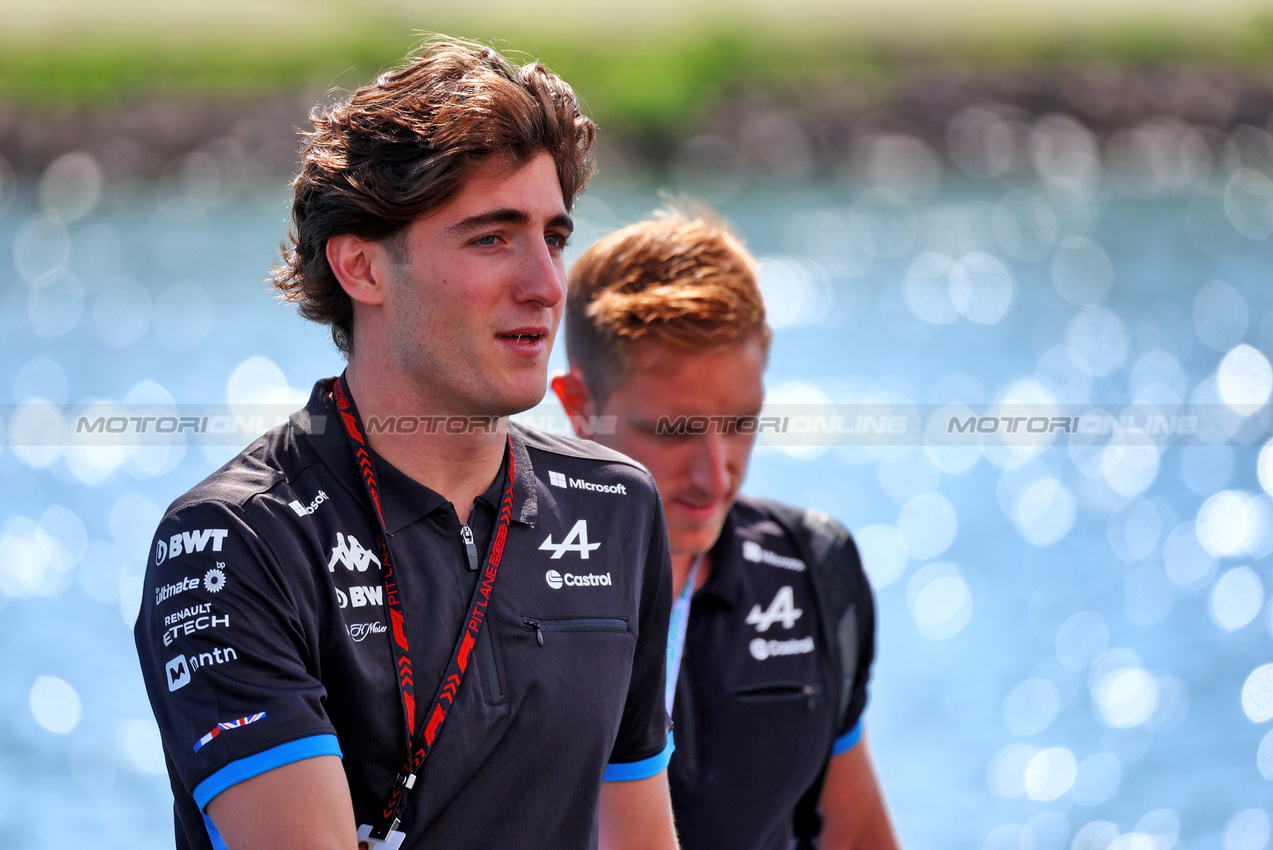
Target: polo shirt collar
403,499
726,583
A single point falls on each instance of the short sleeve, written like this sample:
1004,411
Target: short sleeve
224,653
856,634
644,745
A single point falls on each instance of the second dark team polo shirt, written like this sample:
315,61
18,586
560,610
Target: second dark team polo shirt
755,710
264,638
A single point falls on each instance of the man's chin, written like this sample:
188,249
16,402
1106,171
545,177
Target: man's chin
512,403
694,541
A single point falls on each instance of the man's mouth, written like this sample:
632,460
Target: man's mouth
522,339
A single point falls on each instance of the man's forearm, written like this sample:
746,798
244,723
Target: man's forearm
637,815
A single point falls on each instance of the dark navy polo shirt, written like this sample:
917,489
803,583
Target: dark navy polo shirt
264,637
755,708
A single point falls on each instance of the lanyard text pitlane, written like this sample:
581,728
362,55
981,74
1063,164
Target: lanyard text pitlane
420,739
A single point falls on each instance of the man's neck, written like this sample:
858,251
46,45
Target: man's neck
682,563
459,466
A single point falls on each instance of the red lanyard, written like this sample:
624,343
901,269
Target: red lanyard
420,738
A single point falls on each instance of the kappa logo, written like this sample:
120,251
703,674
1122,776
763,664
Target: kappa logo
783,608
576,541
302,510
758,554
189,541
350,552
558,480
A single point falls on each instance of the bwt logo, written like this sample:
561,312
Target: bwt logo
361,596
576,541
189,541
556,580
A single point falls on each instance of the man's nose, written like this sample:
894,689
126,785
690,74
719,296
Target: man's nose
711,465
543,279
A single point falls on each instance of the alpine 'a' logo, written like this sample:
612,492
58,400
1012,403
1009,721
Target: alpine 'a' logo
782,608
576,541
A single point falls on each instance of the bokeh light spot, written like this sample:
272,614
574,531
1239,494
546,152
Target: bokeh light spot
927,525
1097,835
1049,774
1100,337
1245,380
1224,524
1219,315
1081,639
1097,780
1044,512
55,705
981,288
939,600
1006,772
1081,271
1247,830
1031,706
1236,599
883,555
1257,694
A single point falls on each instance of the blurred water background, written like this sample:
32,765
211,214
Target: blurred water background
1076,633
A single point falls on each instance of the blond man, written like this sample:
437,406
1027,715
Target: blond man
772,632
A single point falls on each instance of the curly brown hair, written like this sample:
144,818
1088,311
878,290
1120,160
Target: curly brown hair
682,278
402,147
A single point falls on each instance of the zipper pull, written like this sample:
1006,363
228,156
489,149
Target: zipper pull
534,624
808,696
467,534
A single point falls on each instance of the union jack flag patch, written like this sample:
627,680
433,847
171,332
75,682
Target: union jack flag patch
231,724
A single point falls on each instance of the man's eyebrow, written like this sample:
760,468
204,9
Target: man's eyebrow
505,216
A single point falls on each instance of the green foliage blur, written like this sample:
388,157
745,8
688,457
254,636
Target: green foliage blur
636,86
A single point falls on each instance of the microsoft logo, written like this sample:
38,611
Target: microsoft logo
557,479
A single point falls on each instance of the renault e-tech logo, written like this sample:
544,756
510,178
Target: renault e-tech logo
554,579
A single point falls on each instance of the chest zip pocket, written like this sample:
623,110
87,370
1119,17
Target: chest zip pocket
779,692
614,625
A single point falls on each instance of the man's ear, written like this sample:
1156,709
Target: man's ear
360,267
575,397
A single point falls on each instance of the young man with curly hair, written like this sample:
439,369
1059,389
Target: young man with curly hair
381,624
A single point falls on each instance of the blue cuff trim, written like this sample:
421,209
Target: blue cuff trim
218,843
244,769
848,740
644,769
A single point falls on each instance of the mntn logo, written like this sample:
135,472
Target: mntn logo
179,668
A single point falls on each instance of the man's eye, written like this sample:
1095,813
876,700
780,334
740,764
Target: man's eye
488,239
557,240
